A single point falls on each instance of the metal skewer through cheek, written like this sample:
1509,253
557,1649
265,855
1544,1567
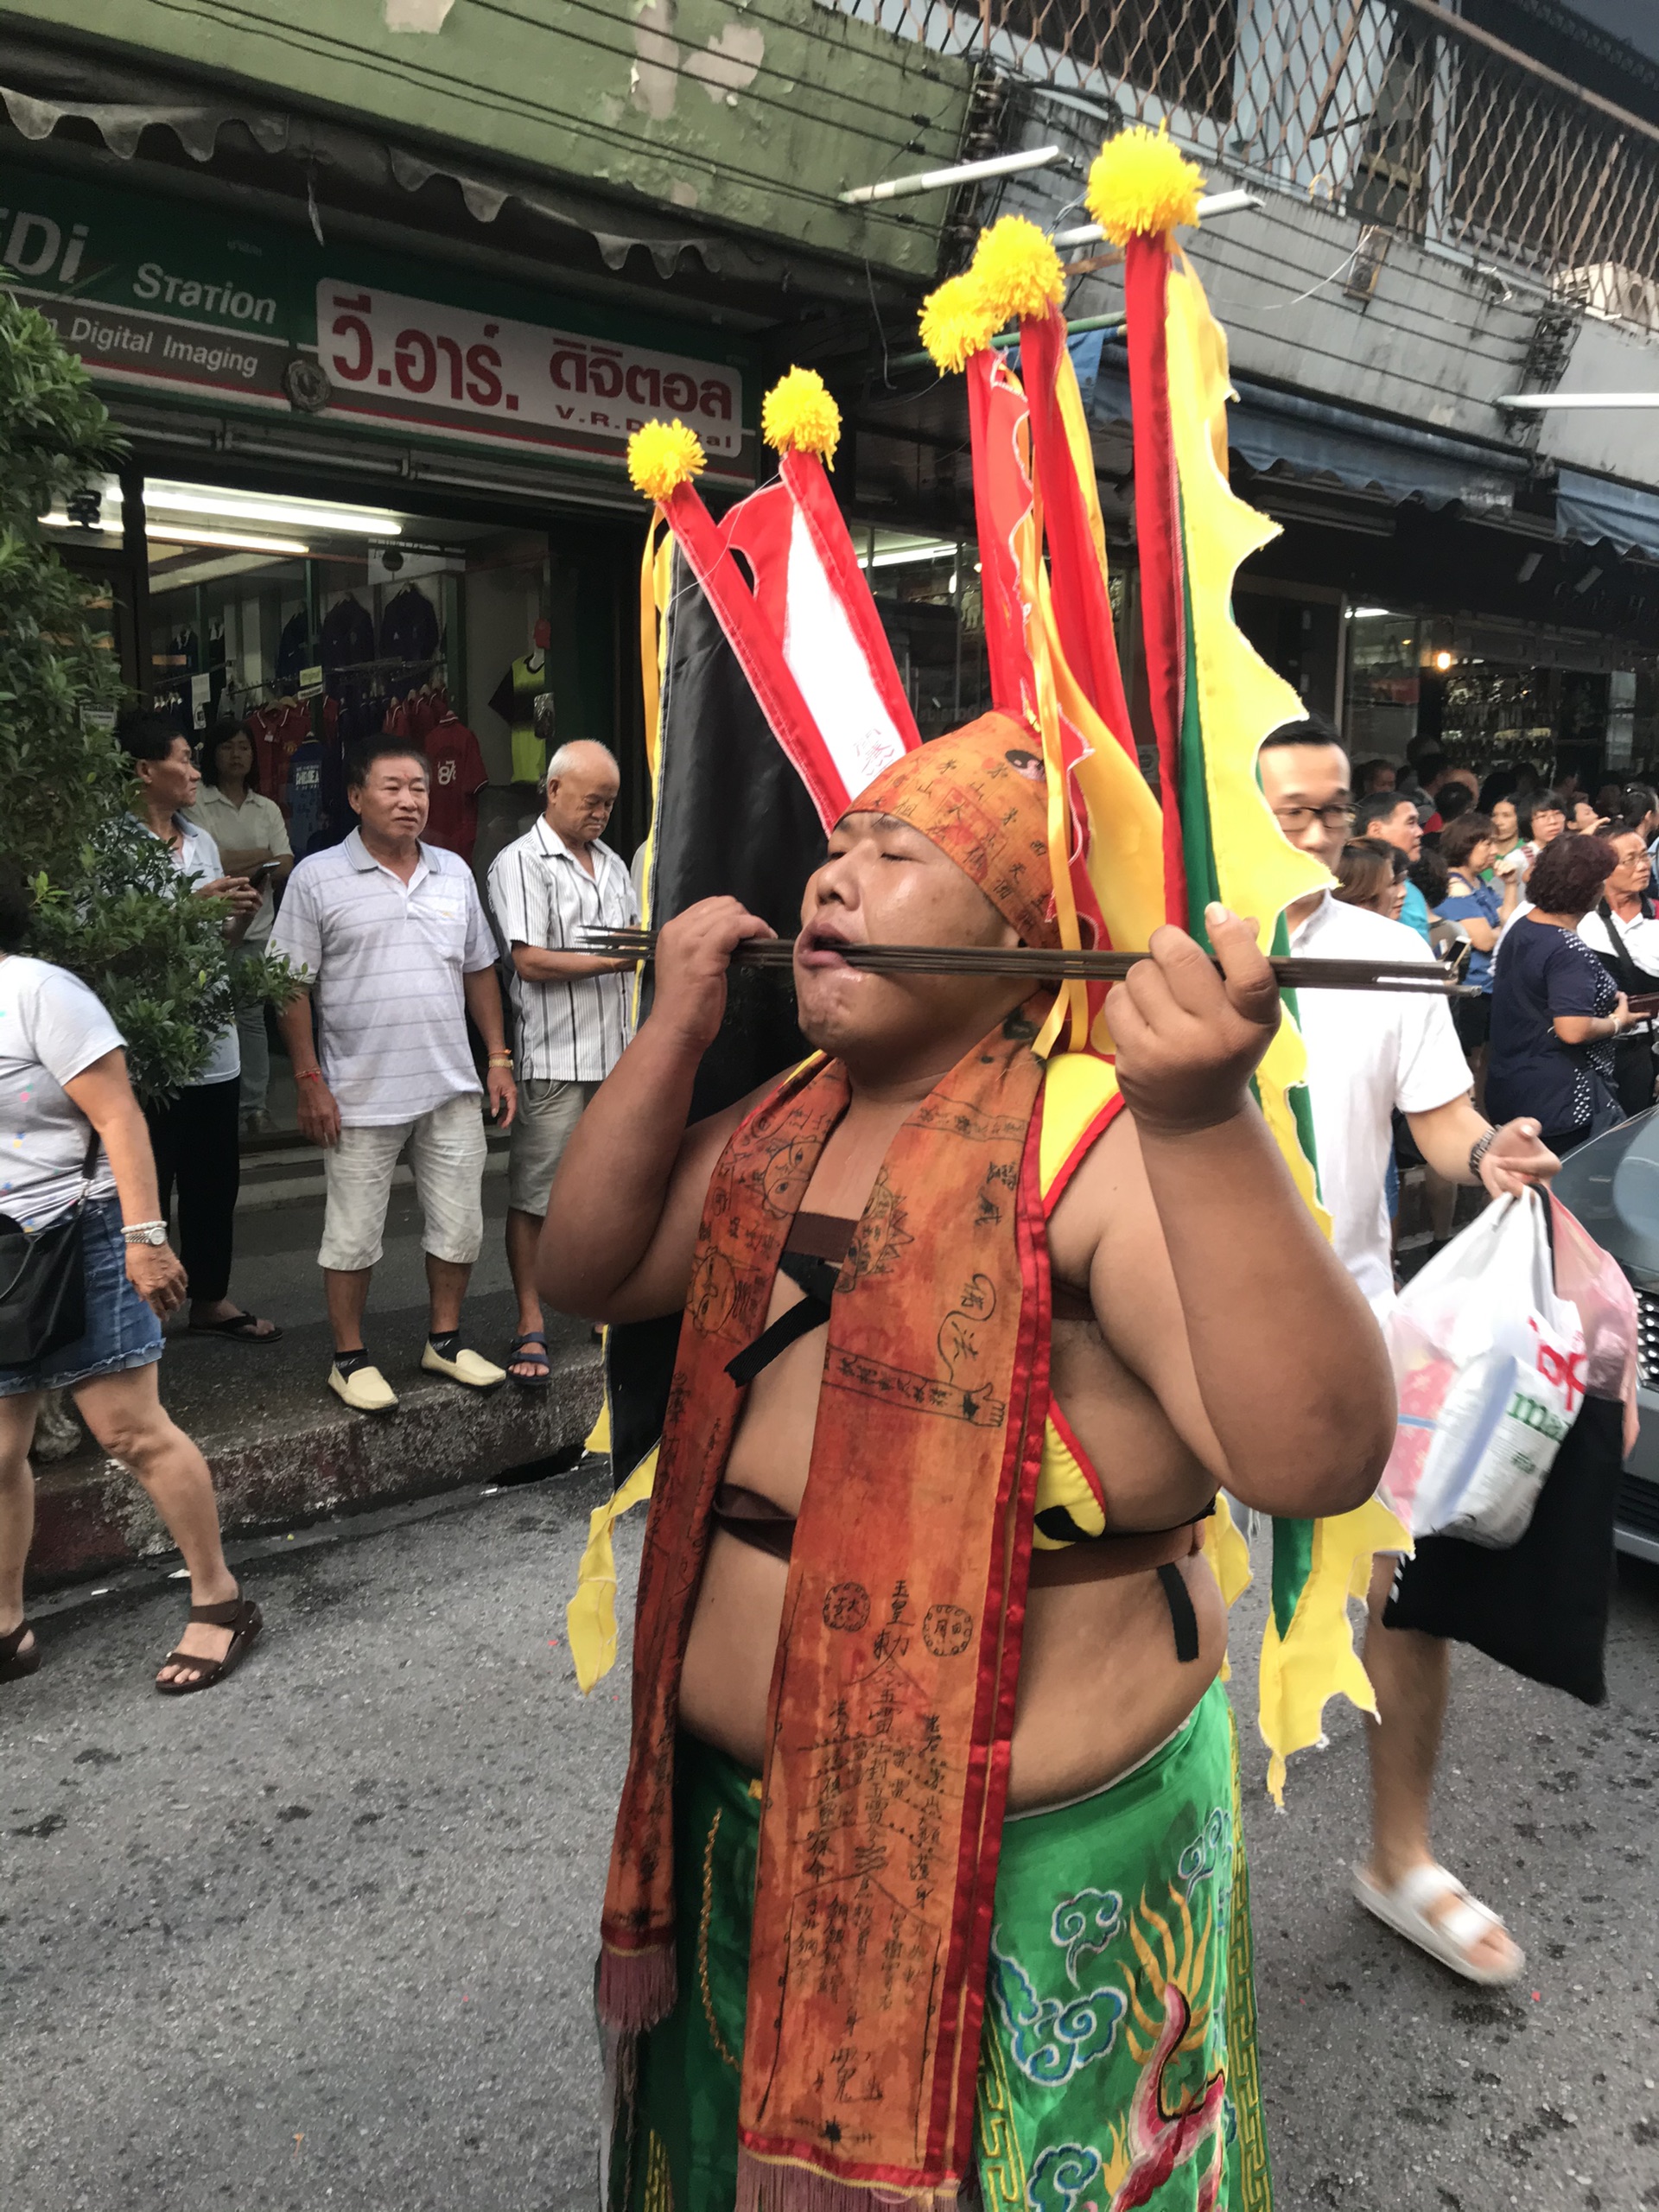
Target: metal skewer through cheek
1041,965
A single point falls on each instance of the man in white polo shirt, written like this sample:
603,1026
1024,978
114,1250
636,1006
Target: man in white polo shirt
1368,1053
392,938
572,1010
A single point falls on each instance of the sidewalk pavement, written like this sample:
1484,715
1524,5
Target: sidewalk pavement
283,1448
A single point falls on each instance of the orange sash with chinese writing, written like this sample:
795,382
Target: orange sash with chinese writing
891,1699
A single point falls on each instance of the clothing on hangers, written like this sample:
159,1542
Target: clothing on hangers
409,629
277,730
514,699
456,768
307,822
347,638
293,650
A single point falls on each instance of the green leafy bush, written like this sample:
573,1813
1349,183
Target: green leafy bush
107,904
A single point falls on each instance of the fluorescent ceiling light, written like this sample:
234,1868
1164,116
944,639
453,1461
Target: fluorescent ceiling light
180,534
162,498
1359,614
904,188
906,554
1535,400
1212,203
254,507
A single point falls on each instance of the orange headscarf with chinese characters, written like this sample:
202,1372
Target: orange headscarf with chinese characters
980,795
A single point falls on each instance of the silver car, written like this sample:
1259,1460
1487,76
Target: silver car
1613,1185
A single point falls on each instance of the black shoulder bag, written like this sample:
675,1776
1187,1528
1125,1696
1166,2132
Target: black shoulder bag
42,1280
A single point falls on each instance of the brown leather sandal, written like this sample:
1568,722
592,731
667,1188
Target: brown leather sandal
14,1664
239,1614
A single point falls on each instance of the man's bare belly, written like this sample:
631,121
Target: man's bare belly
1100,1685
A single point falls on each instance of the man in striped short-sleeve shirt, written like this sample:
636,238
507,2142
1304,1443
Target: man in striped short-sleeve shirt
572,1009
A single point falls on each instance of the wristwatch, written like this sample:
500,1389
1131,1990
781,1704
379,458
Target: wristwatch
1477,1152
144,1232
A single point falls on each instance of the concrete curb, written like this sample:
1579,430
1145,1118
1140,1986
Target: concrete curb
91,1516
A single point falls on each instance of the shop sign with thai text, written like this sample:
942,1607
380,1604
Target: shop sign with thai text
414,361
157,298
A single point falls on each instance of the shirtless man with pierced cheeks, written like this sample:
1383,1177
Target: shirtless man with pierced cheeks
1203,1335
1203,1332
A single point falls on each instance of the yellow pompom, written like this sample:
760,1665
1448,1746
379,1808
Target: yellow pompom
798,416
956,323
662,456
1141,183
1017,270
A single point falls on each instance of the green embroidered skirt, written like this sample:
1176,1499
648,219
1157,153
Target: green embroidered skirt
1117,2068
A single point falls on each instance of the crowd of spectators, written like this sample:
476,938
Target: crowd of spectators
426,1009
1552,1026
419,1010
1542,899
415,1017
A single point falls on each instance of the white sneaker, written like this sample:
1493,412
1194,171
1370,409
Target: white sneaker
468,1367
366,1390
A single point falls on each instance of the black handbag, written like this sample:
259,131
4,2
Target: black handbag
43,1281
1540,1606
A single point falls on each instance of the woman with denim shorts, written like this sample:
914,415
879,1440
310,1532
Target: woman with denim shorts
62,1068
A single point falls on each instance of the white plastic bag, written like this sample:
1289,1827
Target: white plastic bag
1489,1365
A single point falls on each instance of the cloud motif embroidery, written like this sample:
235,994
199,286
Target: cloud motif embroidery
1085,1922
1050,2041
1061,2176
1205,1854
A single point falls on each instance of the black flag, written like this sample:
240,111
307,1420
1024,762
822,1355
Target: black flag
731,817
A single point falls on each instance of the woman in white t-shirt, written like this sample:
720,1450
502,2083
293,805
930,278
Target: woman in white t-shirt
251,837
63,1074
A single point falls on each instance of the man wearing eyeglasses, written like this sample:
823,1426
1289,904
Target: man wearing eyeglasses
1368,1053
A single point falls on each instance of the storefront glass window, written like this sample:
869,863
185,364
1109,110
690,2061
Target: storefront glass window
1383,683
319,623
928,592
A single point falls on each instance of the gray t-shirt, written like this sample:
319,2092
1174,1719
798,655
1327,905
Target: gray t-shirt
52,1029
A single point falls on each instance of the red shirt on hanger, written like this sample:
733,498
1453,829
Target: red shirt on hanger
458,774
278,731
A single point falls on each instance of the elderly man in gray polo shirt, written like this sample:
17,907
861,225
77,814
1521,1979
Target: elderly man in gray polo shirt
572,1009
394,943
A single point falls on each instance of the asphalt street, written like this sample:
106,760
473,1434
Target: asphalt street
324,1936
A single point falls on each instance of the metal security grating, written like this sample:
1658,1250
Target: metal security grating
1647,1337
1393,110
